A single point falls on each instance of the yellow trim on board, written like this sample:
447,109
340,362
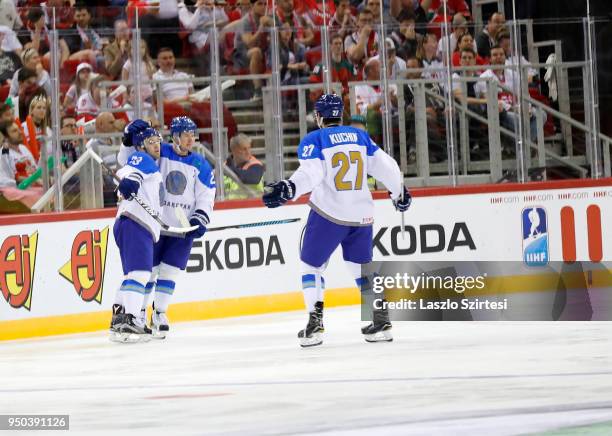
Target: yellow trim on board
259,304
178,312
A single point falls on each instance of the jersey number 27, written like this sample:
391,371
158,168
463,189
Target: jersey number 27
345,161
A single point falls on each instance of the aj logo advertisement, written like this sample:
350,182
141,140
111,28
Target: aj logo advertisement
85,269
17,264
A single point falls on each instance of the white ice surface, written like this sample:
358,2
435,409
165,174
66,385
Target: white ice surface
245,376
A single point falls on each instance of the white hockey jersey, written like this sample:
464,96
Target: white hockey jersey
334,164
189,182
142,167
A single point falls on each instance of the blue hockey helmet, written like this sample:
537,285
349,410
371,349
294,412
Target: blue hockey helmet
329,106
132,129
179,125
141,136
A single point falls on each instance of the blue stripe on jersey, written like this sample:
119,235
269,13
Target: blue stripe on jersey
205,175
315,142
143,162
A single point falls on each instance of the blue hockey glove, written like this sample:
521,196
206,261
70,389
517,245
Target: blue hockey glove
128,188
198,218
277,194
131,129
403,205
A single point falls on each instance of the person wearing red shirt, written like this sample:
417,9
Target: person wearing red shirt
466,41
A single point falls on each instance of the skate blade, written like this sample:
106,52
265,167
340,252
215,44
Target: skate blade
383,336
116,337
158,334
129,338
314,340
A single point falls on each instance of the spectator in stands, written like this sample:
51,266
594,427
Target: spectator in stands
508,116
459,29
31,59
9,61
247,167
341,69
251,42
69,146
412,8
147,69
453,7
405,37
64,13
293,67
83,39
466,41
285,13
427,54
361,44
343,22
503,39
474,102
6,113
116,53
105,124
366,96
172,92
201,22
488,37
16,165
311,14
148,111
89,104
395,65
78,87
9,16
38,130
374,6
26,88
105,148
161,24
243,7
39,36
434,113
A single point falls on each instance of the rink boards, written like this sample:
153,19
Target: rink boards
59,272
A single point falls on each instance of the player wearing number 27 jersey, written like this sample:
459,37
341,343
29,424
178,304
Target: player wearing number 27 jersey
334,166
335,162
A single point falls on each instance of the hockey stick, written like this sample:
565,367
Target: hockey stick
180,215
179,231
259,224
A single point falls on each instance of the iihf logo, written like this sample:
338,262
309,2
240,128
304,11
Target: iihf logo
535,236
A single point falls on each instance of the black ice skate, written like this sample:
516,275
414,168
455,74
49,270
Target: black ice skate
129,329
159,324
312,334
118,310
380,328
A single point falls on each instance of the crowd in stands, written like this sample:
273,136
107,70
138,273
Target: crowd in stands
95,45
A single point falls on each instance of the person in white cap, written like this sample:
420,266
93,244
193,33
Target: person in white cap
79,85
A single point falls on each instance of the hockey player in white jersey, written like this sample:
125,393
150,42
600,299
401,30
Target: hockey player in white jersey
189,185
335,162
135,233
